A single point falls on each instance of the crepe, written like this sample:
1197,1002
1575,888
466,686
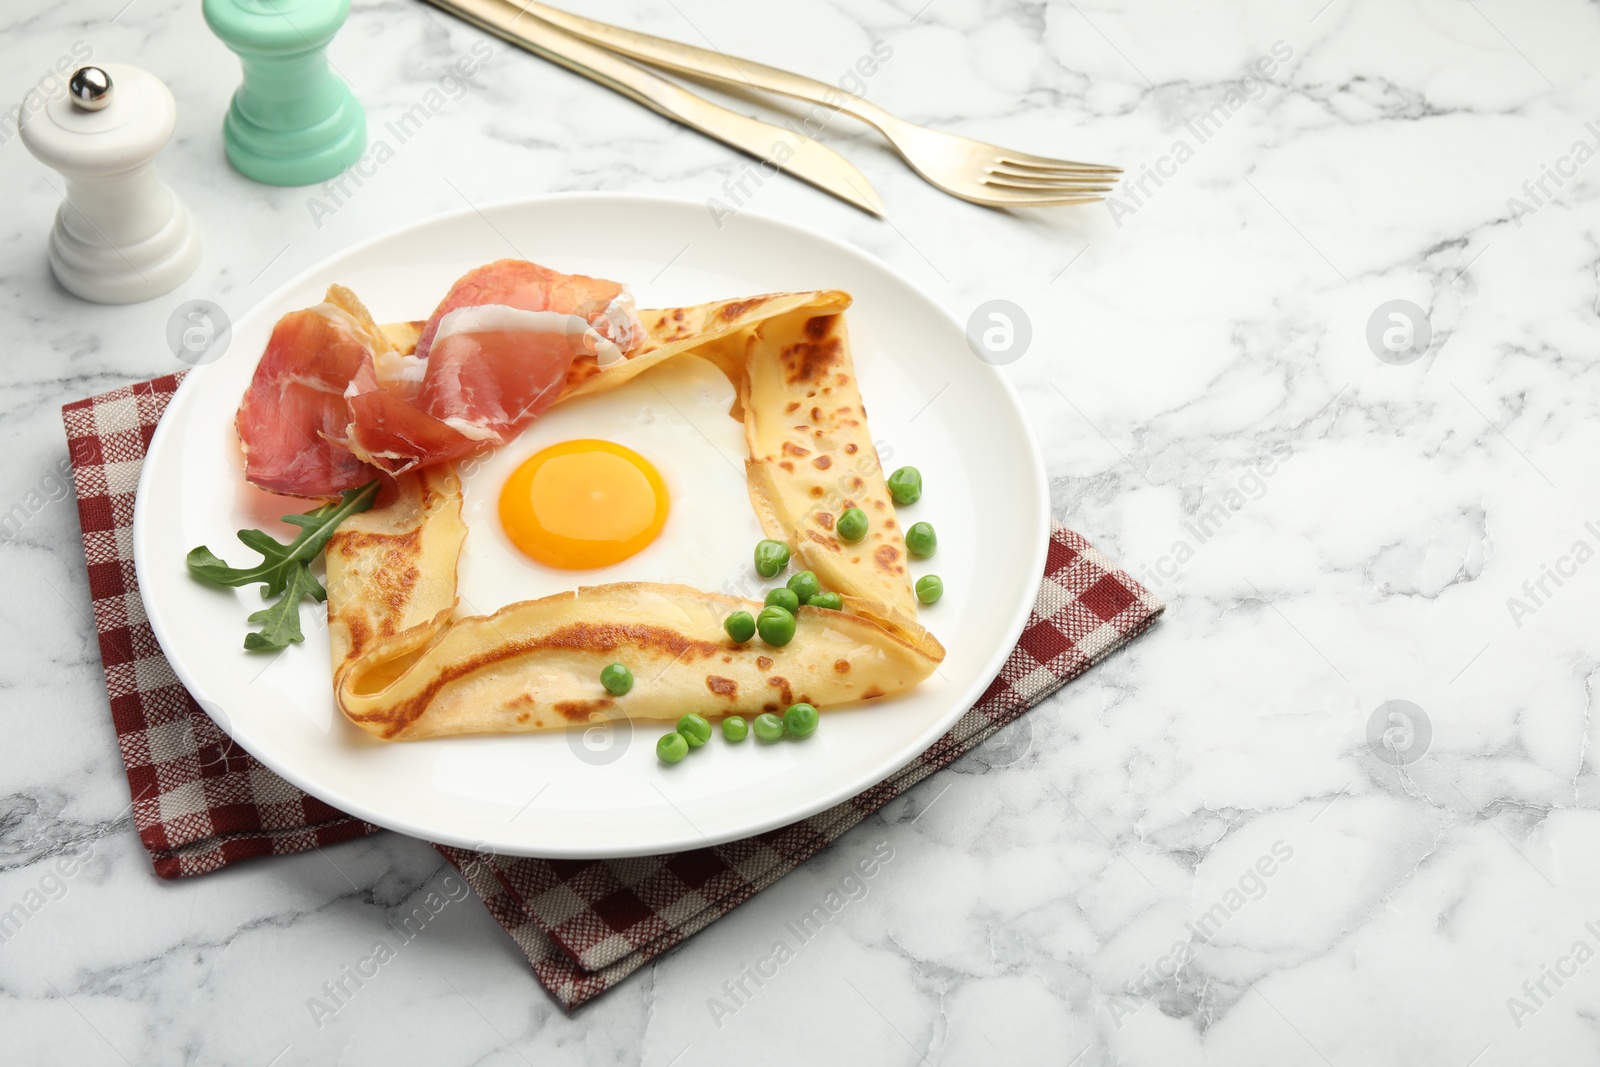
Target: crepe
812,456
535,665
720,332
406,667
811,453
393,568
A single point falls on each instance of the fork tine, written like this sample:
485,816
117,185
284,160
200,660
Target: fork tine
1035,198
1022,159
1011,170
1071,188
1076,184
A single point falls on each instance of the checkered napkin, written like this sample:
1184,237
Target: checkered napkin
200,802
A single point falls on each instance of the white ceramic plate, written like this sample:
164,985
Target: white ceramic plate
601,792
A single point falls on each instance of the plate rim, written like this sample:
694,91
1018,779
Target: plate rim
915,746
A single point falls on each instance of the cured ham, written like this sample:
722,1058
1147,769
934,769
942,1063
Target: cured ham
294,418
334,403
516,283
394,435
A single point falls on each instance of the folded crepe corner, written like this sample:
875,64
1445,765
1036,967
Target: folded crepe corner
535,664
406,666
393,568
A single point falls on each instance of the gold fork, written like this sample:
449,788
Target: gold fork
973,170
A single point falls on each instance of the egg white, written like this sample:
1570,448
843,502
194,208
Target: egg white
675,416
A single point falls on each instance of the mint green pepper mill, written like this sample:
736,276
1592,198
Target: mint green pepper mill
293,121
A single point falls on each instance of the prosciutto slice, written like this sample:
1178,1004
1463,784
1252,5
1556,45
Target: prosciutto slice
393,434
517,283
293,419
333,404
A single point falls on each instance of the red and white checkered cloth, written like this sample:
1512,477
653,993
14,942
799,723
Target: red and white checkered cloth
200,802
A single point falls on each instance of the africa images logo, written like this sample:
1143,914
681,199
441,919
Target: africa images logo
1399,332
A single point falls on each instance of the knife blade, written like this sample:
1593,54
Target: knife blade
777,146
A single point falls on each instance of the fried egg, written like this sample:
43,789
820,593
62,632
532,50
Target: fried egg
583,504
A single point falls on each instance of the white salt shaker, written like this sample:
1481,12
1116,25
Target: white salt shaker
121,235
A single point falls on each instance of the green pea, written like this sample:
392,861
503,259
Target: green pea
800,720
617,679
831,601
805,586
741,626
771,558
929,588
768,727
852,525
921,540
785,598
735,729
905,485
776,626
695,729
671,748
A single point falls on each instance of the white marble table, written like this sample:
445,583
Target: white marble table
1237,877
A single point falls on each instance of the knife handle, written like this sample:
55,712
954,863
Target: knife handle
774,146
576,55
705,63
620,75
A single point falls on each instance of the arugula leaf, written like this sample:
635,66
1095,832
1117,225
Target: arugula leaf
284,570
280,621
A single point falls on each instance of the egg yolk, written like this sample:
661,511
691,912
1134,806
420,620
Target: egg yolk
583,504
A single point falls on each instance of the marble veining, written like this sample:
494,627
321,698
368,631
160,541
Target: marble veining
1201,852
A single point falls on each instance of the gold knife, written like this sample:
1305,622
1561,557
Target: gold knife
799,155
